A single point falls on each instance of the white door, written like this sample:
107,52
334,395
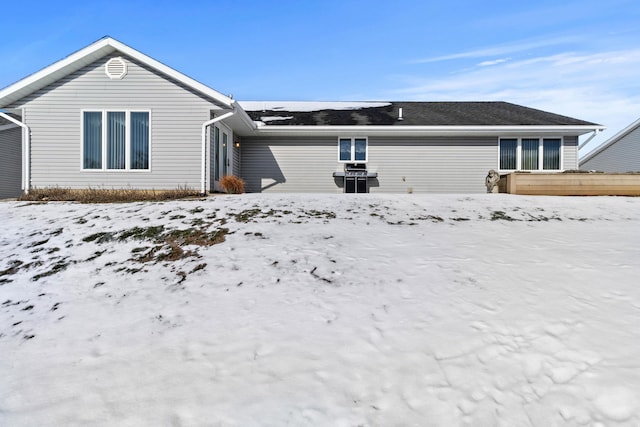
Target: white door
220,161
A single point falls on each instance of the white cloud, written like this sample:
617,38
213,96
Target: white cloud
494,62
601,87
519,46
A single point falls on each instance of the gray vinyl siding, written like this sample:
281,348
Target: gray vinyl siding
433,165
237,164
419,165
570,153
176,115
294,165
10,162
621,156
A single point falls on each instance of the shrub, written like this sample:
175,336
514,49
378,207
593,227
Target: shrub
232,184
92,195
580,171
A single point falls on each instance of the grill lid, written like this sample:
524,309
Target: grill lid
355,169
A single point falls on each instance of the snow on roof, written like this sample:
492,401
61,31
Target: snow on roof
274,118
307,106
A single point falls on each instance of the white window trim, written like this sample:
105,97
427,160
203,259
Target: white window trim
540,153
104,112
353,149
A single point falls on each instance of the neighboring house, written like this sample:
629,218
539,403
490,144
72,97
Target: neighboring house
621,153
108,116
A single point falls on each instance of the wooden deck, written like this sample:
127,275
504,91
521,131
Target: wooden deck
571,184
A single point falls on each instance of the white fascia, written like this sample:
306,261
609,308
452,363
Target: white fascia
89,54
54,71
165,69
426,130
244,116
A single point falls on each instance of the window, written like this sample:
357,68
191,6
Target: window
508,156
551,158
92,140
530,154
115,140
352,149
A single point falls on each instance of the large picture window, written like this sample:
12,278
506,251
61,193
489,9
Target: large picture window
530,154
352,149
115,140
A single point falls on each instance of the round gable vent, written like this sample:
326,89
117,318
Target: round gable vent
116,68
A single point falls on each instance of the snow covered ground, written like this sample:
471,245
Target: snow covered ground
321,310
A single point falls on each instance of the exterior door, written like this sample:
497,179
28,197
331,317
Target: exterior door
219,159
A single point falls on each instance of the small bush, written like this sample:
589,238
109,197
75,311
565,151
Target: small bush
232,184
580,171
92,195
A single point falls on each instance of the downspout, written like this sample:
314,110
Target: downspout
593,135
26,178
203,176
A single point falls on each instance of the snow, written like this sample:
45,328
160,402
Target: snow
308,106
322,310
266,119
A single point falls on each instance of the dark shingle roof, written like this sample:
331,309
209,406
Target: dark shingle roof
420,114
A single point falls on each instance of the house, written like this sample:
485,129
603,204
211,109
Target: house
620,153
109,116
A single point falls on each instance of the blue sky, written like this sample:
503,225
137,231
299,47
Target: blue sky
578,58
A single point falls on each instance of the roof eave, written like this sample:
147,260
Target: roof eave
165,69
558,130
244,119
53,72
86,56
615,138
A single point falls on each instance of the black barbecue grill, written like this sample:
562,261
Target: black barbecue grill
356,177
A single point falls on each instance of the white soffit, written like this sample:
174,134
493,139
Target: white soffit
90,54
